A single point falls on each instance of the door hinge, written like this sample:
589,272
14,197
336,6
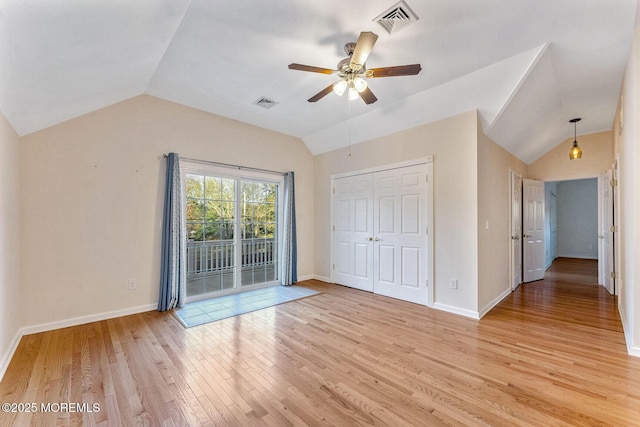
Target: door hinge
334,190
613,229
614,182
334,228
426,230
334,266
613,275
426,178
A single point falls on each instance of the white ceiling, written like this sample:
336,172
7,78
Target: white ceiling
528,66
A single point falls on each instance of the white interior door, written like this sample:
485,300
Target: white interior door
400,240
353,232
533,229
516,230
606,234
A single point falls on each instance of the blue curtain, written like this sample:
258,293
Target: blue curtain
172,274
289,265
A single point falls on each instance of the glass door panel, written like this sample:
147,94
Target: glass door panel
232,234
210,224
259,214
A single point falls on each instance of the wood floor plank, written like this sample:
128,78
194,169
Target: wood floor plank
551,353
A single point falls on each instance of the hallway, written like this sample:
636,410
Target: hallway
569,293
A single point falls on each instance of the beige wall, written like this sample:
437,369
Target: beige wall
92,200
555,165
10,295
452,142
494,200
628,218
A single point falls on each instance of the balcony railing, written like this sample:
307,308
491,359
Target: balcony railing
215,256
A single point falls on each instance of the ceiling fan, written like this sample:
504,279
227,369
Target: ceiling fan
353,72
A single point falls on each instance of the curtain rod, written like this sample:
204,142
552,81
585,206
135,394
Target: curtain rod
228,165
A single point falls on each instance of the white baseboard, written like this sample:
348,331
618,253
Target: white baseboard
315,277
6,358
50,326
457,310
495,302
632,350
576,256
81,320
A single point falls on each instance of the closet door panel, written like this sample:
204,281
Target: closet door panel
400,238
352,236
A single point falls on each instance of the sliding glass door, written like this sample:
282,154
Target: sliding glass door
258,229
232,231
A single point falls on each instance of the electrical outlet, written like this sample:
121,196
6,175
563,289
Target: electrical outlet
133,284
453,283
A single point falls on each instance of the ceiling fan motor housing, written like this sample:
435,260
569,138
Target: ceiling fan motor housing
349,48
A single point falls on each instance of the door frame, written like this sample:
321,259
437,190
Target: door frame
239,175
615,192
617,220
512,268
607,179
551,244
429,215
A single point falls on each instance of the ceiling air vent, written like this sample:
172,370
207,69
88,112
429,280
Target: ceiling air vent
265,102
396,17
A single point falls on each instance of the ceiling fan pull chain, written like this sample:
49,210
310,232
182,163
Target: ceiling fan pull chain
349,118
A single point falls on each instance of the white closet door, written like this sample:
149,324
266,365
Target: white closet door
353,233
400,241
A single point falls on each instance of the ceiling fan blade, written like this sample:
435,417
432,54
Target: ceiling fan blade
363,48
367,96
301,67
324,92
400,70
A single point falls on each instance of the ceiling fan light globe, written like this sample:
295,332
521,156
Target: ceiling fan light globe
359,84
340,87
353,94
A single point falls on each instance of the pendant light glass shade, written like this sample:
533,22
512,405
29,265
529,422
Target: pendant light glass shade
575,152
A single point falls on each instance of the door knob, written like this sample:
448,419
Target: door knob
377,239
515,237
527,235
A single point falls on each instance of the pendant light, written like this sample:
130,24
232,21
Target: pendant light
575,152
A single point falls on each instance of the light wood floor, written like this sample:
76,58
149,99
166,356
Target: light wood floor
551,354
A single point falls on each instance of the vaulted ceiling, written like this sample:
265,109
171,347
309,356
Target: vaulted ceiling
528,66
